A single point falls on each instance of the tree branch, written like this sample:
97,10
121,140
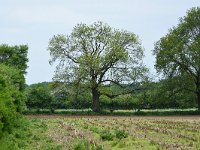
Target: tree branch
115,82
70,57
123,93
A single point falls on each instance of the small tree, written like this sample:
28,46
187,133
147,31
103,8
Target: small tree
178,53
97,55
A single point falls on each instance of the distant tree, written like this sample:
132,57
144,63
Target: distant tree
174,92
39,96
59,94
96,55
178,53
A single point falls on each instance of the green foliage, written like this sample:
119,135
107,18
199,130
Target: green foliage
9,98
39,96
15,56
177,53
12,77
85,145
13,63
172,93
59,95
80,101
95,55
120,134
107,135
168,93
16,139
28,134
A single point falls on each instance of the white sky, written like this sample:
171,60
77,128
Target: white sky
35,22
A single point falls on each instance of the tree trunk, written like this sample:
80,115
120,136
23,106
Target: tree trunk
95,97
198,99
198,92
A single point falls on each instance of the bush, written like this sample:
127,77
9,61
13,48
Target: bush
120,134
9,102
85,145
18,137
106,135
39,96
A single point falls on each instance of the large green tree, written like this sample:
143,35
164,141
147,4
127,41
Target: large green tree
178,53
9,97
16,57
13,63
96,55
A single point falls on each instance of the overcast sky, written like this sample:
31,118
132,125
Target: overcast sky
34,22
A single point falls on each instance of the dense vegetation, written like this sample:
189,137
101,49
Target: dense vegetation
178,53
160,95
13,64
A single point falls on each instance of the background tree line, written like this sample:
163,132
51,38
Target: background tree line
155,95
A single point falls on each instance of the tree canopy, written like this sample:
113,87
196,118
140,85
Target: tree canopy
39,96
178,53
15,56
11,99
96,55
13,64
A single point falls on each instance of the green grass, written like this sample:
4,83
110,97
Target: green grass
30,134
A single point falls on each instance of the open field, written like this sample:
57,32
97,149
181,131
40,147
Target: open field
125,133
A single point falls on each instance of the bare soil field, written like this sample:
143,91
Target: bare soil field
189,117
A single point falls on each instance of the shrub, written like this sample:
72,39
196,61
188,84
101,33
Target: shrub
106,135
85,145
120,134
8,100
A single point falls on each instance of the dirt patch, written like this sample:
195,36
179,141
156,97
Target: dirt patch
41,116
